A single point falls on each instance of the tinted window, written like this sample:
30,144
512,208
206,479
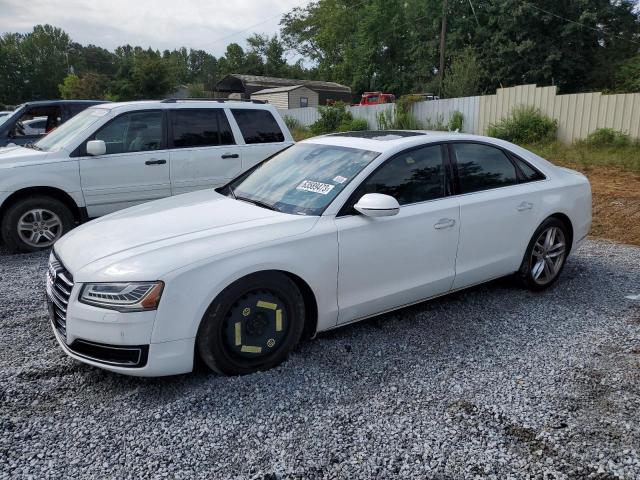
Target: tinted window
133,132
200,128
481,167
411,177
529,173
258,126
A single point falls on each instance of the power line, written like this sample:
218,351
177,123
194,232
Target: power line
578,23
250,27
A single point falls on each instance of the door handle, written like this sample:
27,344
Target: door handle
524,206
155,161
444,223
230,155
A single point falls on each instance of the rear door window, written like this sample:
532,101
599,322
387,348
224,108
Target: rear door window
482,167
200,128
258,126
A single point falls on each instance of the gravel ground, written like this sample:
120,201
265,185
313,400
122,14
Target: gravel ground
494,382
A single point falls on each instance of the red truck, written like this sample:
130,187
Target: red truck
376,98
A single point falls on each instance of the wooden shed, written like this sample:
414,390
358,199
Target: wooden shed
297,96
237,85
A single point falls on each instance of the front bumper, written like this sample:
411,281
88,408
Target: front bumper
119,342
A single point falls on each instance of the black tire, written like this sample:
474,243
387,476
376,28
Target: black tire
528,271
55,210
251,310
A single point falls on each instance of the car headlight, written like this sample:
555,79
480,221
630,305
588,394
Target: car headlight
124,297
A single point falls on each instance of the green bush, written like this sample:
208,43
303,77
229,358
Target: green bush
402,116
293,123
332,117
607,137
525,125
355,125
456,121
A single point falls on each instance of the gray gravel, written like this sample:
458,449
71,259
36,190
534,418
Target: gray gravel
494,382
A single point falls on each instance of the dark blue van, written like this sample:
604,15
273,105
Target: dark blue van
54,112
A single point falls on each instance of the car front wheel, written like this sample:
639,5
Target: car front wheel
252,325
35,223
546,255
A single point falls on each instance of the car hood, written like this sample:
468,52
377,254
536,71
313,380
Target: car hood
19,156
152,239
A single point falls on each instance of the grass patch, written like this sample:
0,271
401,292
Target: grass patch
614,173
584,156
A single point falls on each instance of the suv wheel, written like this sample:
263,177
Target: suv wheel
35,223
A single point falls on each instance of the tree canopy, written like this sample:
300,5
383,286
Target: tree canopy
387,45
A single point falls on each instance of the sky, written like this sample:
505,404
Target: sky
160,24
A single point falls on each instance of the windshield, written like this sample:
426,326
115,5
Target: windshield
303,179
57,138
5,117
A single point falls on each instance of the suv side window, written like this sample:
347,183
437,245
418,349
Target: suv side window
482,167
410,177
133,132
258,126
200,128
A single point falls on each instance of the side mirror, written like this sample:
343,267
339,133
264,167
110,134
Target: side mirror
96,147
377,205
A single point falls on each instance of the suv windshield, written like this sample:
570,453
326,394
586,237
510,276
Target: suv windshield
57,138
303,179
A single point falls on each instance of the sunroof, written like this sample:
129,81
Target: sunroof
381,135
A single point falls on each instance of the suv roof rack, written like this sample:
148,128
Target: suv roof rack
219,100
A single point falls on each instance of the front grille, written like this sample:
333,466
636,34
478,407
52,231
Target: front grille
60,283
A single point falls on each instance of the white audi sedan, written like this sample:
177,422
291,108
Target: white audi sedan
332,230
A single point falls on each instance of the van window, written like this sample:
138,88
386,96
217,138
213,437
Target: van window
200,128
133,132
258,126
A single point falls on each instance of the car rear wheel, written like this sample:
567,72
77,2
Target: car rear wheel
35,223
252,325
546,255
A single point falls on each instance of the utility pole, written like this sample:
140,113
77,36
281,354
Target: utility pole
443,41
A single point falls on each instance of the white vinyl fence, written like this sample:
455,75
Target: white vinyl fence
577,114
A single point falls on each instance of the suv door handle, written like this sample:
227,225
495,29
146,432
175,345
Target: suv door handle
444,223
524,206
230,155
155,161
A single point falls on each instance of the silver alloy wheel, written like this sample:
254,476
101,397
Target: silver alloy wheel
548,255
39,228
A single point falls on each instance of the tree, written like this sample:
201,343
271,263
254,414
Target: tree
628,77
85,87
463,76
44,54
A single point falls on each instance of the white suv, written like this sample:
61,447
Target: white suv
115,155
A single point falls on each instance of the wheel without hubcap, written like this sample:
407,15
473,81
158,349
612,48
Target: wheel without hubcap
252,325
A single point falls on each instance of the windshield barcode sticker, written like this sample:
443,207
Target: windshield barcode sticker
315,187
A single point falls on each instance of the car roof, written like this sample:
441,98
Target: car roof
39,103
389,140
187,103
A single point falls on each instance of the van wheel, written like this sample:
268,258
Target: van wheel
252,325
35,223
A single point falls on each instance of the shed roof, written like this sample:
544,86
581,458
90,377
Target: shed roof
277,89
276,82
